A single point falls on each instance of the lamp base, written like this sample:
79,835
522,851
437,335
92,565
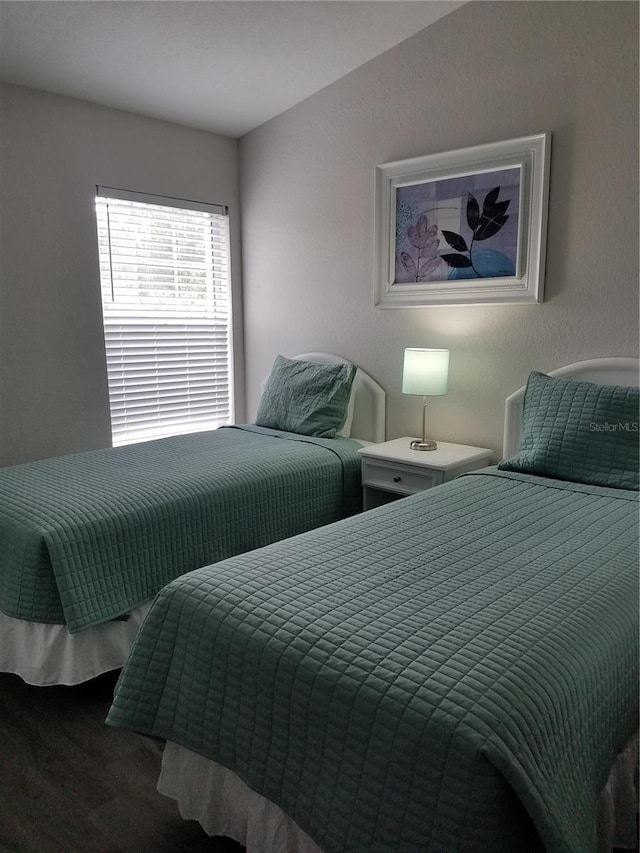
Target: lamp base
423,444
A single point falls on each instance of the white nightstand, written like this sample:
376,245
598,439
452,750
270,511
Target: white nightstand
392,470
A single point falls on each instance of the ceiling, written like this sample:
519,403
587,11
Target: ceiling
224,66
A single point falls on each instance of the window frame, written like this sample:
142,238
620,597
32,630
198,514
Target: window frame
218,279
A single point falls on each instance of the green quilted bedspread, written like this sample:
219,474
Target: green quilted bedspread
87,537
452,672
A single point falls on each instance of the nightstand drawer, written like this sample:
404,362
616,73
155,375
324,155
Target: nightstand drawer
399,478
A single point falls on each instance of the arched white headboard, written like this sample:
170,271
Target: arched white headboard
369,399
619,370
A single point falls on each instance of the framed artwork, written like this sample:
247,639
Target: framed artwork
463,227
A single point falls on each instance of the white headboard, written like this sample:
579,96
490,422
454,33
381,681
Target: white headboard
603,371
369,413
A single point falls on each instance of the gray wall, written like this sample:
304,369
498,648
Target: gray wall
53,152
487,72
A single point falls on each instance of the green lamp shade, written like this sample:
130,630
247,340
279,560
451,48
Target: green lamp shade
425,371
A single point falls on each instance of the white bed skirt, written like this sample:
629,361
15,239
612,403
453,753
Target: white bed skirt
44,655
224,805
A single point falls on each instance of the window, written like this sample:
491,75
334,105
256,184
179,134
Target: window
166,305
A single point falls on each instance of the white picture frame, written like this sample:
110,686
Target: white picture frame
433,211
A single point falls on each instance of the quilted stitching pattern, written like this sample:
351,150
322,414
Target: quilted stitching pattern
394,681
579,431
85,538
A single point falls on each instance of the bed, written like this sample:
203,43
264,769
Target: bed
455,671
87,540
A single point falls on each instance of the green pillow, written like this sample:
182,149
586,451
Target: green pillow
305,397
579,431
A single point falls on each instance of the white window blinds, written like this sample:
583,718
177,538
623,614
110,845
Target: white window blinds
166,299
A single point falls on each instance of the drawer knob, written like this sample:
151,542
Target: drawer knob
397,479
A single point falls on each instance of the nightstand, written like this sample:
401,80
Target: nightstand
392,470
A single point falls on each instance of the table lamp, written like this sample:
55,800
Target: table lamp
425,373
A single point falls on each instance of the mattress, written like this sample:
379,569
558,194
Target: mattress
454,671
88,537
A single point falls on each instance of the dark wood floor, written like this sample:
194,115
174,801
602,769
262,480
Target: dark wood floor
70,784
